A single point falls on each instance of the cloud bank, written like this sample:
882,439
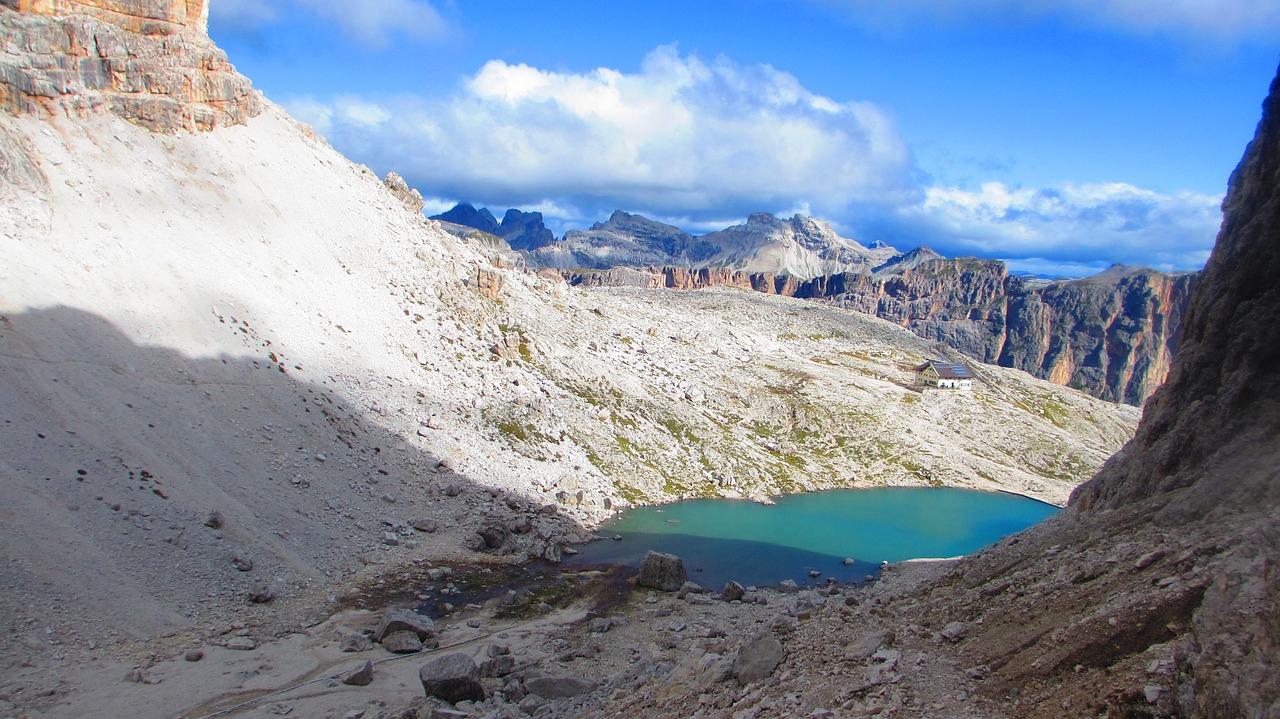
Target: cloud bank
695,138
370,22
703,144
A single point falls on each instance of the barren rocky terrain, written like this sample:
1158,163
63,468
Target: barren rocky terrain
249,397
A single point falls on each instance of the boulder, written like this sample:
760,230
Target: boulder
396,620
402,642
452,678
869,644
356,642
733,592
758,658
361,677
954,631
788,586
558,687
495,536
499,666
660,571
689,588
423,524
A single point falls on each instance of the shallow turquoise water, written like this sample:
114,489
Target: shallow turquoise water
723,539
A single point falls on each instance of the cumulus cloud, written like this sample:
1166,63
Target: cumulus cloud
1084,225
370,22
690,137
1218,20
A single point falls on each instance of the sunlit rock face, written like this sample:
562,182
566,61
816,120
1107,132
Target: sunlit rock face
148,61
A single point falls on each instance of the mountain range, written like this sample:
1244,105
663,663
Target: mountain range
1112,335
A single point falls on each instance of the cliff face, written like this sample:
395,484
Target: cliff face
147,61
1112,335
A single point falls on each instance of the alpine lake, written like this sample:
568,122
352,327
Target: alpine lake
763,544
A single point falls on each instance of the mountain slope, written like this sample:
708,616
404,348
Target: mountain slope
243,322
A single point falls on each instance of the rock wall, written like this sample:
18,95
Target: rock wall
149,17
1112,335
147,61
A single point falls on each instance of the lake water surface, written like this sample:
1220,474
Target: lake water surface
752,543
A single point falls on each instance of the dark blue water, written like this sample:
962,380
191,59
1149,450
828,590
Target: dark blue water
723,539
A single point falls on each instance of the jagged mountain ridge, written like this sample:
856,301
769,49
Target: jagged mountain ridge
1112,335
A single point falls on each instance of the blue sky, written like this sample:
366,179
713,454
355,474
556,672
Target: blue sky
1060,135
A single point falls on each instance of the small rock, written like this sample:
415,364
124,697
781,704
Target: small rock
391,539
194,655
1148,559
499,666
660,571
402,642
954,632
496,650
689,588
243,564
262,594
356,642
869,644
452,678
732,592
424,525
214,520
1152,693
814,573
242,644
389,498
848,561
361,677
452,490
788,586
600,625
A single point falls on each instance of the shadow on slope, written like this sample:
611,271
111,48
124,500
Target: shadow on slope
143,491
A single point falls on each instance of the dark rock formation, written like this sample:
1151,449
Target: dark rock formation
148,62
464,213
660,571
524,230
452,678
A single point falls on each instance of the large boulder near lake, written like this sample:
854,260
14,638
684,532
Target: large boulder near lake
660,571
452,678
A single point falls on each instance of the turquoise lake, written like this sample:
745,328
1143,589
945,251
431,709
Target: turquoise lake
752,543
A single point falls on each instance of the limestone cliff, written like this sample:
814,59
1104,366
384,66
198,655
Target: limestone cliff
1112,335
148,61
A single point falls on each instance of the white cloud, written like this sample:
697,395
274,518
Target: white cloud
683,135
1218,20
369,21
1110,222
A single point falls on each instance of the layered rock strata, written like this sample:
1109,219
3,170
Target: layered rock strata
147,62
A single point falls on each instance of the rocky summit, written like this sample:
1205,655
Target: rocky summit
256,463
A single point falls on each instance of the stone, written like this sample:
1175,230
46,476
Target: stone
848,561
954,631
356,642
242,644
402,642
495,536
214,520
262,594
758,658
424,525
410,198
361,677
1152,693
664,572
557,687
788,586
496,650
499,666
600,625
452,678
689,588
242,563
732,592
869,644
391,539
194,655
401,619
